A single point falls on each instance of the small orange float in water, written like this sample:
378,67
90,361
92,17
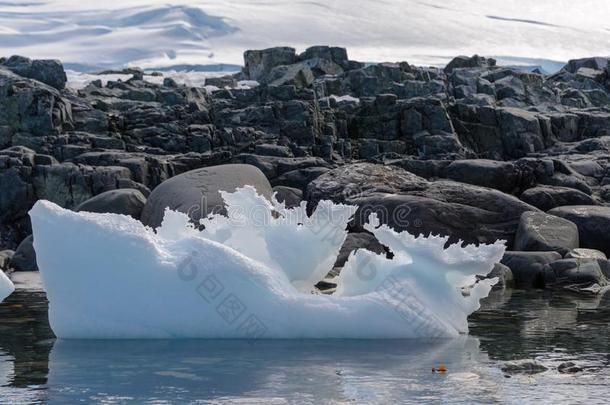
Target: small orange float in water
440,369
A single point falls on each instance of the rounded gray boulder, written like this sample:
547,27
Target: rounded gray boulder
404,201
543,232
528,267
292,197
24,258
123,201
197,192
593,224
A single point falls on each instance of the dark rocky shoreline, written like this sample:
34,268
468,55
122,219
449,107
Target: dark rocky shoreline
474,151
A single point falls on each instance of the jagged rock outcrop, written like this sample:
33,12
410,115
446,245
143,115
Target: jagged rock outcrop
467,148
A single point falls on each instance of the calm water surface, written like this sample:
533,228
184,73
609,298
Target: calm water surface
551,328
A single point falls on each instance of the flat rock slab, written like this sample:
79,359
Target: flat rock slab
584,253
503,176
549,197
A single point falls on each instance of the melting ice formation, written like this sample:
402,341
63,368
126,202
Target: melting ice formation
249,275
6,286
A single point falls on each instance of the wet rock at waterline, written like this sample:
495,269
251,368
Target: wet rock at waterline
525,366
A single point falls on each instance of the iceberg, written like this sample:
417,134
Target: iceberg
6,286
250,274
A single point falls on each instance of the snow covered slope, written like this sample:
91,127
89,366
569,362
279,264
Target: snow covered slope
250,275
87,34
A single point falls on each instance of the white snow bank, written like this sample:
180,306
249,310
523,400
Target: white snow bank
89,34
249,275
6,286
345,98
78,80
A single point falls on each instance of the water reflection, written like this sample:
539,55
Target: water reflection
552,328
25,337
532,322
265,371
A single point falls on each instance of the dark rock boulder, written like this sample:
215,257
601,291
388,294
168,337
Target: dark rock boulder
371,80
503,176
597,63
47,71
542,232
355,241
5,259
424,168
298,75
524,366
438,145
272,150
474,61
299,178
593,225
301,74
548,197
521,132
30,108
587,168
528,267
274,166
26,177
335,54
290,196
69,185
17,193
123,201
197,192
499,133
572,181
406,201
577,275
569,367
258,63
355,180
504,275
510,87
24,258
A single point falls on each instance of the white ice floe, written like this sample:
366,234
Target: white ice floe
249,275
6,286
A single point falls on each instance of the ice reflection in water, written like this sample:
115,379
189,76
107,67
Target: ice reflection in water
552,328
